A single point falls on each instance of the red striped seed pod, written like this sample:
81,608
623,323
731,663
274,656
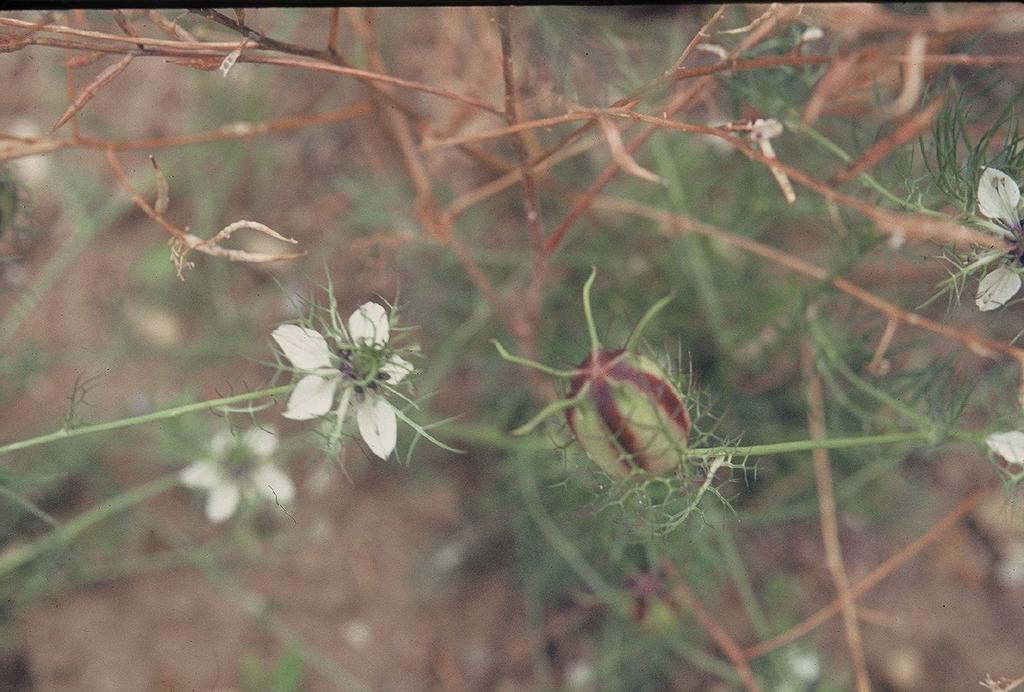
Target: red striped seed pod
630,416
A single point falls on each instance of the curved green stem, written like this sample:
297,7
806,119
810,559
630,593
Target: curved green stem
540,367
588,313
68,433
70,530
638,330
553,407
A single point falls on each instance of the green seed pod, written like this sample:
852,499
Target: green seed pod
630,416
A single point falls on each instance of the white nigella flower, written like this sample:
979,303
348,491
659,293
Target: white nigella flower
998,200
1008,445
998,197
239,467
365,365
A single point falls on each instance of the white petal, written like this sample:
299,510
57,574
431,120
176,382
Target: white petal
273,484
220,443
369,324
377,425
222,502
397,368
998,196
312,397
200,474
305,348
262,442
996,288
1008,445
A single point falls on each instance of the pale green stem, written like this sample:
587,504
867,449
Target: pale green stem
829,351
807,445
493,437
634,338
552,408
577,562
540,367
588,314
70,530
68,433
865,178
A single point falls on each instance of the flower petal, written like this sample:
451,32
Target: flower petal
397,368
273,484
222,502
312,397
998,196
377,425
305,348
200,474
369,324
221,442
996,288
1008,445
262,442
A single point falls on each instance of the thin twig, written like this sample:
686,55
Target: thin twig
682,597
962,509
827,513
673,224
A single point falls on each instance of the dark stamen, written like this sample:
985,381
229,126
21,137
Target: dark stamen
383,376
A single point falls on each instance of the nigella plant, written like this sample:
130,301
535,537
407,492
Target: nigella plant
999,202
629,416
354,367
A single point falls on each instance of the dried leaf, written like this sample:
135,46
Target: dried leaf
229,61
90,90
162,192
204,246
621,156
226,232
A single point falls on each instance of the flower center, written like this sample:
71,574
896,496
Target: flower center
360,366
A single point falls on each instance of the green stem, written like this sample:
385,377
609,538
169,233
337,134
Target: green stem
606,592
67,433
866,179
525,362
634,338
807,445
490,436
70,530
588,313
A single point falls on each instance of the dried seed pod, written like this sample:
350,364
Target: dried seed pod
629,415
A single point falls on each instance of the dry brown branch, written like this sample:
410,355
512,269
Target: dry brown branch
682,597
827,513
962,509
90,90
917,226
29,146
111,43
885,146
171,28
867,18
674,105
672,224
184,242
879,364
